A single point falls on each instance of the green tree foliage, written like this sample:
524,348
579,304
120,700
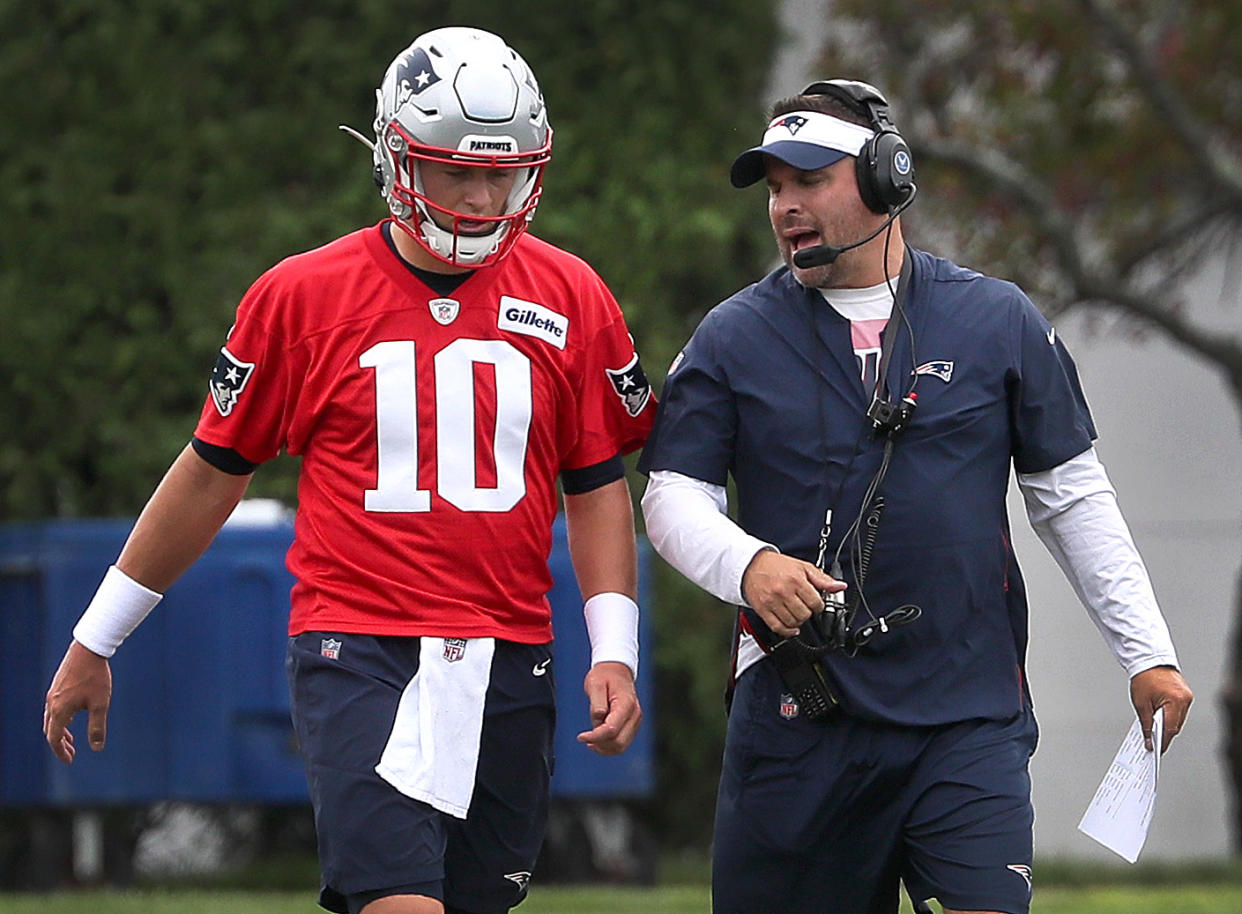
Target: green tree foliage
156,157
1088,149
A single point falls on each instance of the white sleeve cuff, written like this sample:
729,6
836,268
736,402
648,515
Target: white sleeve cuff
688,524
612,627
118,607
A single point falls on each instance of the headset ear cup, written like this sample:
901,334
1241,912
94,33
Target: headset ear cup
866,171
892,171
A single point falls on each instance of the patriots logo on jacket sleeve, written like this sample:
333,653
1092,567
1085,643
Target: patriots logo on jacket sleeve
631,385
228,380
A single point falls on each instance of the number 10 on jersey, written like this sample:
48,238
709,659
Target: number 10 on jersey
456,397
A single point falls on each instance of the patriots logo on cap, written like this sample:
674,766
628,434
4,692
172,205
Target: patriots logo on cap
631,385
228,380
415,74
793,123
940,368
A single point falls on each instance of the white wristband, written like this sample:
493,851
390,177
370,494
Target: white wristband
119,605
612,626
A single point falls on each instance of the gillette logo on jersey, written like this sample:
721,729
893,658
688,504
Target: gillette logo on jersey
527,317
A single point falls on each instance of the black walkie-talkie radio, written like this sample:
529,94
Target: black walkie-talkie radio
805,678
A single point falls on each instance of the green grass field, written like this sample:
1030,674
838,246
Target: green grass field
1180,899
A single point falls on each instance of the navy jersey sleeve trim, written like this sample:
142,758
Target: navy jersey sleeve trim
586,479
224,459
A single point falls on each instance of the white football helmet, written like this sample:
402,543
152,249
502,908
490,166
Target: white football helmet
460,95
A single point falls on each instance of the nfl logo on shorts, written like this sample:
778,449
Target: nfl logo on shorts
454,649
789,707
330,648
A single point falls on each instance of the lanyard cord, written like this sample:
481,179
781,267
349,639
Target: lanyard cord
839,624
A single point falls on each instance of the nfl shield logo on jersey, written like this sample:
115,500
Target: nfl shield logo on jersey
789,707
330,648
631,385
228,380
444,310
454,649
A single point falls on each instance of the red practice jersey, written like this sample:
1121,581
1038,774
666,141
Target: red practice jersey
431,428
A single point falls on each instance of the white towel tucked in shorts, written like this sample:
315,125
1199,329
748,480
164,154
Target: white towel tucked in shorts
433,750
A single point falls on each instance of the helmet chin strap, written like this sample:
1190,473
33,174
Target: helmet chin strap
449,244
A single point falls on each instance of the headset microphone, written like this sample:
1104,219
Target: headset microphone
822,254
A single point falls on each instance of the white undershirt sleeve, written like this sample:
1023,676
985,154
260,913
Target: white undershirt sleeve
1073,508
688,525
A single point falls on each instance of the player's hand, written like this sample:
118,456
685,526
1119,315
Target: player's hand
785,591
82,683
1161,687
615,713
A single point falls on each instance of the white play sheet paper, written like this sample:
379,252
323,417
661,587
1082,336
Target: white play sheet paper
1120,812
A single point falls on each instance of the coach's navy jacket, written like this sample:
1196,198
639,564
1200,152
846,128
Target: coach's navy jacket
768,390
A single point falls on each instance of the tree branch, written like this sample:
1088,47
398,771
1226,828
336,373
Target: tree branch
1090,284
1166,101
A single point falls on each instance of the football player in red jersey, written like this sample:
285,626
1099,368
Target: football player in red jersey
436,373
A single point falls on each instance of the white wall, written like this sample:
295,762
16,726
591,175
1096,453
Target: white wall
1169,436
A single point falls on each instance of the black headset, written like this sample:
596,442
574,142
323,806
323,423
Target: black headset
885,165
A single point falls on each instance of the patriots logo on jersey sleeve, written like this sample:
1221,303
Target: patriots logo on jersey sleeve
228,380
793,123
631,385
415,73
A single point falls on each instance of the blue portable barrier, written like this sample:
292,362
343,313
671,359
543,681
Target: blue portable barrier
200,708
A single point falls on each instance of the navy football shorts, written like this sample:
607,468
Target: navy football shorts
826,818
375,841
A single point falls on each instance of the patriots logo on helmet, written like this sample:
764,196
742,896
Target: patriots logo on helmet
940,368
793,123
415,73
631,385
228,380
